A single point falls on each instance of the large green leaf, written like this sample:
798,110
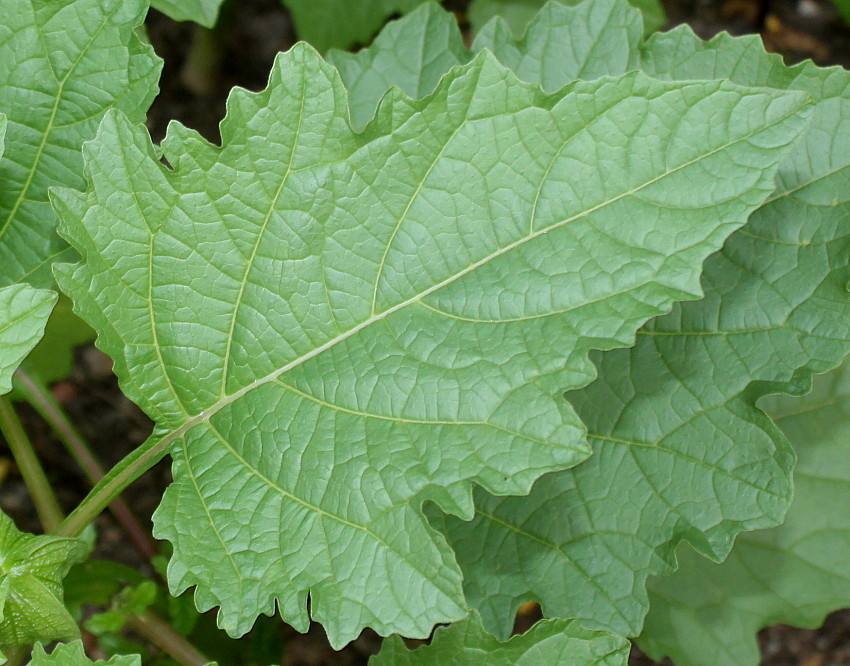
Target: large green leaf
204,12
517,14
680,450
62,65
31,572
465,643
330,328
342,23
709,613
563,43
73,654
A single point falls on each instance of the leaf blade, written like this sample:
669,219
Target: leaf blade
352,232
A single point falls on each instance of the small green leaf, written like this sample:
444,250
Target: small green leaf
203,12
465,643
31,572
73,654
707,613
330,328
342,23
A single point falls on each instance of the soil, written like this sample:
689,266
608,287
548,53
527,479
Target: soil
249,35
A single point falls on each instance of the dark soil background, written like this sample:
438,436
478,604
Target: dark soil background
239,51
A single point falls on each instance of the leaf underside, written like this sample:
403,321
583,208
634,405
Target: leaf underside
465,643
680,450
709,613
62,65
319,323
342,23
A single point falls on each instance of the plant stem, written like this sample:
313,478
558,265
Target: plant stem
45,502
147,624
39,396
113,484
15,655
161,634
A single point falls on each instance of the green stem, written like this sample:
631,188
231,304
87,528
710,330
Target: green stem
15,655
161,634
49,511
113,484
40,397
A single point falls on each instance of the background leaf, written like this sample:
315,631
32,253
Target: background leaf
73,654
62,65
547,642
796,573
517,14
680,451
563,43
318,320
23,315
203,12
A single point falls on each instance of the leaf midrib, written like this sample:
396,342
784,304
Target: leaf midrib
206,414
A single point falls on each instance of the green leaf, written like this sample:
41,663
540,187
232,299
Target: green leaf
330,328
547,642
412,53
31,572
203,12
342,23
709,613
563,43
517,14
23,315
73,654
680,450
62,65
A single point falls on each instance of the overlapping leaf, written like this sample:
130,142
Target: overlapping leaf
23,315
680,451
331,327
517,14
709,613
342,23
62,65
203,12
465,643
563,43
31,572
73,654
